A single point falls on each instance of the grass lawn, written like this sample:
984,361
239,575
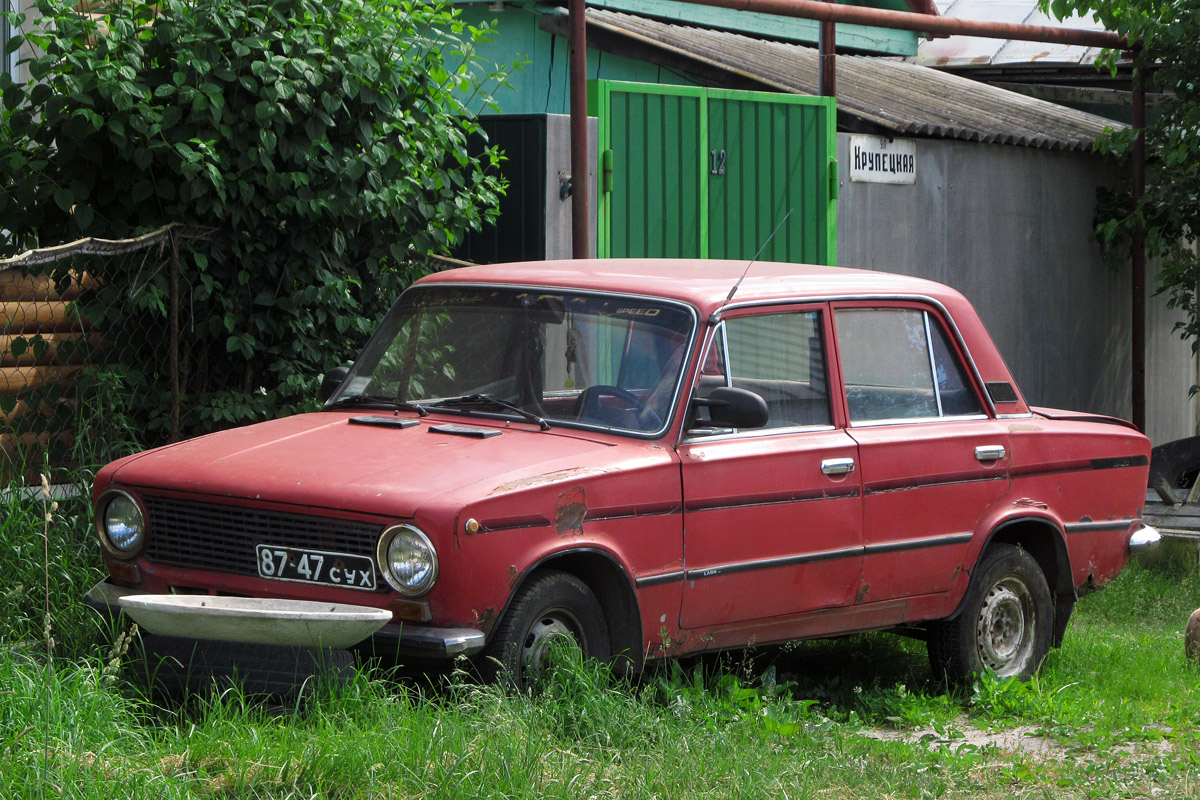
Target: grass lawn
1114,713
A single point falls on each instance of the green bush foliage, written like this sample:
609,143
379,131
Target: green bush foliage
324,140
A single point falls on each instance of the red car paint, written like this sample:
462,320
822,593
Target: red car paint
692,540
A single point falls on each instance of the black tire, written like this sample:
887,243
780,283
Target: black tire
552,604
1006,623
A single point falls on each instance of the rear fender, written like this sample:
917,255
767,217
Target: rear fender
1042,537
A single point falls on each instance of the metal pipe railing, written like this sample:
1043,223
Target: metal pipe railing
921,23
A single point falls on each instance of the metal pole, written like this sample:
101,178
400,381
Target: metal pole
1138,276
827,47
580,197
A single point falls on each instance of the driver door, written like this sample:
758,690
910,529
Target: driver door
772,516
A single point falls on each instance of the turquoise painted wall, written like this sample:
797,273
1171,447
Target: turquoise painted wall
539,85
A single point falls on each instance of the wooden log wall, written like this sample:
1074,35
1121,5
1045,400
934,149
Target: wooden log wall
43,343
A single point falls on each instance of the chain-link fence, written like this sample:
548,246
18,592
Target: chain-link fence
108,346
90,361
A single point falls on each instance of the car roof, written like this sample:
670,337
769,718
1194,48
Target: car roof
702,283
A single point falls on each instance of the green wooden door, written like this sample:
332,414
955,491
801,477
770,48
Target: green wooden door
689,172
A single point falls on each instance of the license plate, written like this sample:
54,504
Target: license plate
316,566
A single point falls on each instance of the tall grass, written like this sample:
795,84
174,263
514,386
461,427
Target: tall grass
51,556
50,559
697,730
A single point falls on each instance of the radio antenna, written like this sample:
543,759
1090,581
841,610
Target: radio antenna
746,271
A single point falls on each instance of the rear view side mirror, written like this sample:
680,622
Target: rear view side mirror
332,380
729,407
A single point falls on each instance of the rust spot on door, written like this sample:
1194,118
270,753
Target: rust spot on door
863,591
570,512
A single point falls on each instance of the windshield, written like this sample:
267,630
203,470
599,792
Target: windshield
566,358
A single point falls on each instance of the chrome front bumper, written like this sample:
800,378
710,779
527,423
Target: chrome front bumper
411,640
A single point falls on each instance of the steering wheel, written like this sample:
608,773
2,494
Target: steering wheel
589,408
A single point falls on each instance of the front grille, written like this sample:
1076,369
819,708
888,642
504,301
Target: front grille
222,538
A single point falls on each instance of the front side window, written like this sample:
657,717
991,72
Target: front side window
569,358
897,364
781,358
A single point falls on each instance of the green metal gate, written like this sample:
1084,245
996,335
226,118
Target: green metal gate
710,173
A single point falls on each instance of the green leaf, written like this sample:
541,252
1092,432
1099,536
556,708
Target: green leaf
14,95
142,190
63,198
83,216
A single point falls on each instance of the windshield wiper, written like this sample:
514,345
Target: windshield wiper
378,400
468,400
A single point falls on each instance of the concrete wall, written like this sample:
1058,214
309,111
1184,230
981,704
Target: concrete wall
1010,227
559,242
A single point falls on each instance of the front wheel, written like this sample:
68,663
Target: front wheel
551,607
1006,623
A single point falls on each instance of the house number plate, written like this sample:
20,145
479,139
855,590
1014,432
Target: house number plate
716,162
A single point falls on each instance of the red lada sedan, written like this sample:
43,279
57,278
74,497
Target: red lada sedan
652,457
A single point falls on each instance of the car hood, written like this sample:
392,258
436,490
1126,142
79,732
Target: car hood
323,460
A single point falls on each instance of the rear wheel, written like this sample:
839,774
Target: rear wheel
551,608
1006,622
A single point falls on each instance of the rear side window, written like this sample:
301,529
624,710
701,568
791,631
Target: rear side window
781,358
898,364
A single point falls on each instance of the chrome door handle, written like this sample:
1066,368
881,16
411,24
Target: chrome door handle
990,452
837,466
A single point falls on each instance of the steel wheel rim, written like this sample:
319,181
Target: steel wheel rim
1006,628
554,624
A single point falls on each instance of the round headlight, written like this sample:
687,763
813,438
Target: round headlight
408,560
122,525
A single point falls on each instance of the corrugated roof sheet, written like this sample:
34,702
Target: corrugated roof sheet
962,51
906,99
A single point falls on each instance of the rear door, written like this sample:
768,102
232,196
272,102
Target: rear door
932,458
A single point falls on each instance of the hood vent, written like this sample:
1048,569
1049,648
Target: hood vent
383,422
465,430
